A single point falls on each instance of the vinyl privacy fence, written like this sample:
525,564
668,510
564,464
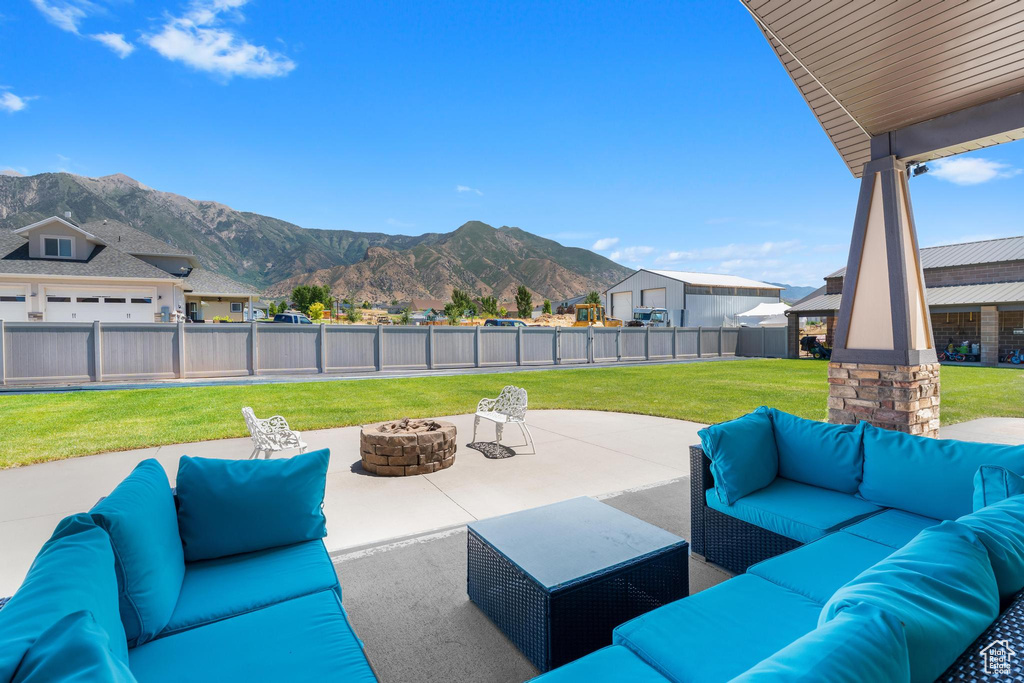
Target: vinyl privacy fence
95,352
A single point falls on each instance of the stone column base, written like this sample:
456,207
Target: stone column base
904,398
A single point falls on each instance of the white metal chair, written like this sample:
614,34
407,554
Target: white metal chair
508,408
271,435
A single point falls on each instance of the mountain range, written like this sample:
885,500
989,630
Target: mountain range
275,255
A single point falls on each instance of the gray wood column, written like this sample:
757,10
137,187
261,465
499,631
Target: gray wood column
97,352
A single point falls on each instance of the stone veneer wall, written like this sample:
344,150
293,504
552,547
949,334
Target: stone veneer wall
904,398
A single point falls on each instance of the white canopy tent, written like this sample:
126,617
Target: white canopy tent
766,315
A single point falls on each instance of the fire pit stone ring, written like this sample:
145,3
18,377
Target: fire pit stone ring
407,447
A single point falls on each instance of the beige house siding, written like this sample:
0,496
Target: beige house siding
219,309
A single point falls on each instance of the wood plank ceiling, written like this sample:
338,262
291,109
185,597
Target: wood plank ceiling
869,67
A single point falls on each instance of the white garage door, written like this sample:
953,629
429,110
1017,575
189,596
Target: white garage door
654,298
13,303
622,305
85,306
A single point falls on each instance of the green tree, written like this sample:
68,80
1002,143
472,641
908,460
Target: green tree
316,311
489,306
271,309
353,314
592,298
453,312
405,317
503,312
547,306
524,302
394,302
304,296
464,302
366,304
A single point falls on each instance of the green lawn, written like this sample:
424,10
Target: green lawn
37,428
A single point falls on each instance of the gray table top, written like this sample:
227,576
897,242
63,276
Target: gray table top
571,540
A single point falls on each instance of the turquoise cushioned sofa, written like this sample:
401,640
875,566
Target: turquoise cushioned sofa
885,571
263,614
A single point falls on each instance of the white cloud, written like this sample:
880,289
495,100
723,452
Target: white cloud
116,42
199,39
64,14
467,188
631,254
605,243
970,170
10,102
395,223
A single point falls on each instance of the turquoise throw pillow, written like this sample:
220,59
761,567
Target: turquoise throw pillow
73,649
227,507
139,516
861,643
743,455
940,586
1000,526
820,454
993,484
73,571
929,477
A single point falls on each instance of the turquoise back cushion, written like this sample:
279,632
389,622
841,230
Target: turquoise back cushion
993,484
743,454
226,507
1000,527
930,477
139,516
940,586
73,571
861,643
818,453
75,648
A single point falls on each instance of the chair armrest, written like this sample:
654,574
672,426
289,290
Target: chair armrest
700,481
485,405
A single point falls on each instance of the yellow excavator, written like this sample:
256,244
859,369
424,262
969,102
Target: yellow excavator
592,315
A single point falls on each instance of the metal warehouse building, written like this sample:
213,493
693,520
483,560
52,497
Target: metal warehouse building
692,299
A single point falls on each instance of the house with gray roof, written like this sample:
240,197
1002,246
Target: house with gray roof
57,270
974,292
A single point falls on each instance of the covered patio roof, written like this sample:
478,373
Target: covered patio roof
867,68
960,295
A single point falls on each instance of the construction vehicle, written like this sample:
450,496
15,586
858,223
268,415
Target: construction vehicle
592,315
646,316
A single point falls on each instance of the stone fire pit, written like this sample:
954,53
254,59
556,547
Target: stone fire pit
406,447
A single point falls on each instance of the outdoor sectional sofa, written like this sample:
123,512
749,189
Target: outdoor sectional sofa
227,580
863,554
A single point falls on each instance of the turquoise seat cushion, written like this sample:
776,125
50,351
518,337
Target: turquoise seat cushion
140,518
862,643
742,453
612,664
74,571
228,586
720,632
227,507
818,453
798,511
1000,527
929,477
993,483
75,648
305,639
940,586
894,528
819,569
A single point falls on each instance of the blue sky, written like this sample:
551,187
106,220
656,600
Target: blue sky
663,135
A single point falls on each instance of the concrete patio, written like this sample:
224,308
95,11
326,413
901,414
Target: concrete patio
579,453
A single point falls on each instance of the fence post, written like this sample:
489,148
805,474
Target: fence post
380,348
254,349
430,347
97,352
675,343
700,335
764,348
519,345
323,347
618,344
181,349
476,347
720,341
3,361
558,345
647,343
590,344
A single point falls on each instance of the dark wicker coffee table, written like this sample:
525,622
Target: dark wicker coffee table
557,579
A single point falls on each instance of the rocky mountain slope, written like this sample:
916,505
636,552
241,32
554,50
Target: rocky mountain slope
273,254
